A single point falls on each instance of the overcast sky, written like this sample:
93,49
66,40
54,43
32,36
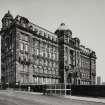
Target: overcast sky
86,18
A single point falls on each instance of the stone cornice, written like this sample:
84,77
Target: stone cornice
32,32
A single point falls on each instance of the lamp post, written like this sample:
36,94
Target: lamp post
7,85
19,85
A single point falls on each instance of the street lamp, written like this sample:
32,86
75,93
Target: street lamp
7,85
19,85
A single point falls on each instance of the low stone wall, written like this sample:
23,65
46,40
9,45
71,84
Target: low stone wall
77,90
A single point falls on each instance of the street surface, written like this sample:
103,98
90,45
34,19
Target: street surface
11,97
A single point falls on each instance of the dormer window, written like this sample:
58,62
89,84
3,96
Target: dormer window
44,34
35,30
40,32
50,37
31,27
25,37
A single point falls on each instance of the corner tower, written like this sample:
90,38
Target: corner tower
8,45
64,36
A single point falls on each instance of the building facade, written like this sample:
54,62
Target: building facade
33,55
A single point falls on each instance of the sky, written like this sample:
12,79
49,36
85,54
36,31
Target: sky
86,19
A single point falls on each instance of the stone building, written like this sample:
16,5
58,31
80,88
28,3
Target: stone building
33,55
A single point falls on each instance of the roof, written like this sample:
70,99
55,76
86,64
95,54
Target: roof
8,15
63,27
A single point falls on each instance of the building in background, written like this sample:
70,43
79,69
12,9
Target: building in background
98,80
33,55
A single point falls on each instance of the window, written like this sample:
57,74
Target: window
36,69
41,70
26,38
35,80
54,38
45,71
42,63
57,73
54,54
53,71
40,32
44,80
45,53
49,55
49,71
26,48
21,46
26,68
35,30
37,61
35,43
46,35
26,58
56,80
50,37
41,52
46,63
37,51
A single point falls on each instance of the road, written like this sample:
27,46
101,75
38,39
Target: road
24,98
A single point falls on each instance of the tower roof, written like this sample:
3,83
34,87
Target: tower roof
63,27
8,15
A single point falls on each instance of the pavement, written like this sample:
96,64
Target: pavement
11,97
91,99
